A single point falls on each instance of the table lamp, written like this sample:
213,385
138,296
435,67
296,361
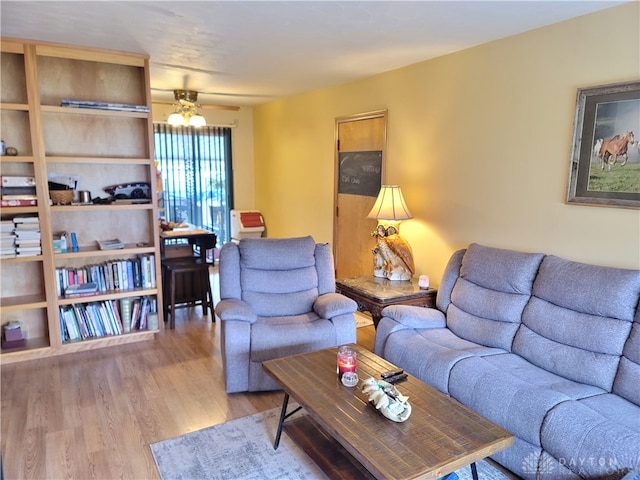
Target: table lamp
392,256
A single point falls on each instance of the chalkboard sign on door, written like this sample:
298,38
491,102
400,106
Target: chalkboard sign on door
360,173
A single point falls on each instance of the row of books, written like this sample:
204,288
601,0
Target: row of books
111,275
125,107
20,237
106,318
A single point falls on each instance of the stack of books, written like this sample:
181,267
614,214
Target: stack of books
7,239
27,236
18,191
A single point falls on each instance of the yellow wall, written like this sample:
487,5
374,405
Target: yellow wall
479,140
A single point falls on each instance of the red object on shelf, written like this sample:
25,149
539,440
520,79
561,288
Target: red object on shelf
18,203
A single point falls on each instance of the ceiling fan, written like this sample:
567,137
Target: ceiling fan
186,109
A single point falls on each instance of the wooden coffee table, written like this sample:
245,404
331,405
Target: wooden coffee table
343,432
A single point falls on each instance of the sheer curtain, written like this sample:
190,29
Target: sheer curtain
195,167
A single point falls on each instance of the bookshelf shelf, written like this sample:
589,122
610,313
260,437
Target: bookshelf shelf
23,302
94,251
91,111
100,160
16,159
14,106
34,258
112,295
50,138
94,208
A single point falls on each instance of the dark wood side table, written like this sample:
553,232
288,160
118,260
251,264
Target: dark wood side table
372,294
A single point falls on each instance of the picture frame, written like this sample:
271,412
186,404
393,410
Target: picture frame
605,155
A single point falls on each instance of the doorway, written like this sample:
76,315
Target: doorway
360,159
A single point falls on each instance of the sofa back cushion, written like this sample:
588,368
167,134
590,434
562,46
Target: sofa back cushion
278,277
578,320
627,381
488,298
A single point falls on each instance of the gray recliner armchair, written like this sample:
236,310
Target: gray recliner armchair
277,298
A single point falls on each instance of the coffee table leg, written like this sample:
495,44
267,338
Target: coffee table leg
474,471
283,416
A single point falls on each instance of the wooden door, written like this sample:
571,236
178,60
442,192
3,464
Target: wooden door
360,147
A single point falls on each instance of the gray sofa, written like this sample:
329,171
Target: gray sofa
545,347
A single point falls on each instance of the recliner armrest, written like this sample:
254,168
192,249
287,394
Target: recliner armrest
235,309
330,305
415,317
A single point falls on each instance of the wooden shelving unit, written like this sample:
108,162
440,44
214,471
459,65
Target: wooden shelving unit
102,148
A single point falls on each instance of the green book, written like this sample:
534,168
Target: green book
125,314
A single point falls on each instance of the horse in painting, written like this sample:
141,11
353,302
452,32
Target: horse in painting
615,147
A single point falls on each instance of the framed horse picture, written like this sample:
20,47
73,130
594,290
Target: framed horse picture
605,156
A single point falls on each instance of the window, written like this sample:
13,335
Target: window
195,167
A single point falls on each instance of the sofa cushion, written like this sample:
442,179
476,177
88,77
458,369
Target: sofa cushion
488,299
627,381
275,337
512,392
603,291
440,350
578,320
278,276
598,437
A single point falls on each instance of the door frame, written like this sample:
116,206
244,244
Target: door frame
382,113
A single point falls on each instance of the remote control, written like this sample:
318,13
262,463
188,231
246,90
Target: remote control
396,378
391,373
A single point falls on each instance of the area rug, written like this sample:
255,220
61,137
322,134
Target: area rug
242,449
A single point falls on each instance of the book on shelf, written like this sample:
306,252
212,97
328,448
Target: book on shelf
80,289
112,244
18,181
7,226
125,314
26,219
104,105
19,196
19,203
27,227
28,253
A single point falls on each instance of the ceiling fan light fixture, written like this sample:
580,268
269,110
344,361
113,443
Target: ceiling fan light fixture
197,120
176,119
186,112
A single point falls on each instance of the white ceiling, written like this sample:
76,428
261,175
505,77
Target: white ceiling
246,53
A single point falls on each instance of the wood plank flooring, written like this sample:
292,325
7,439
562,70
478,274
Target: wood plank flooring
92,415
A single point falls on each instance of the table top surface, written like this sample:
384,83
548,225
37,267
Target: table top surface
382,289
184,233
440,436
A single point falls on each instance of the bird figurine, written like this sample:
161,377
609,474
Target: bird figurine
393,257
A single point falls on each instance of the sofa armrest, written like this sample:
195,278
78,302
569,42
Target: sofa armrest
330,305
415,317
234,309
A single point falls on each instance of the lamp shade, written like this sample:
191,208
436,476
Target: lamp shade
175,119
390,205
197,121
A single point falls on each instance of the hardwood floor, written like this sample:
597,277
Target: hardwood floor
93,414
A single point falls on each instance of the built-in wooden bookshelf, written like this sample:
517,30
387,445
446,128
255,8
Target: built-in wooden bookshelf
102,148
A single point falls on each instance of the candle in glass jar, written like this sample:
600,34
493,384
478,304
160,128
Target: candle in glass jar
347,361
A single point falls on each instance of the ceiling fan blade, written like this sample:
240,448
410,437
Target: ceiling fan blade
207,106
